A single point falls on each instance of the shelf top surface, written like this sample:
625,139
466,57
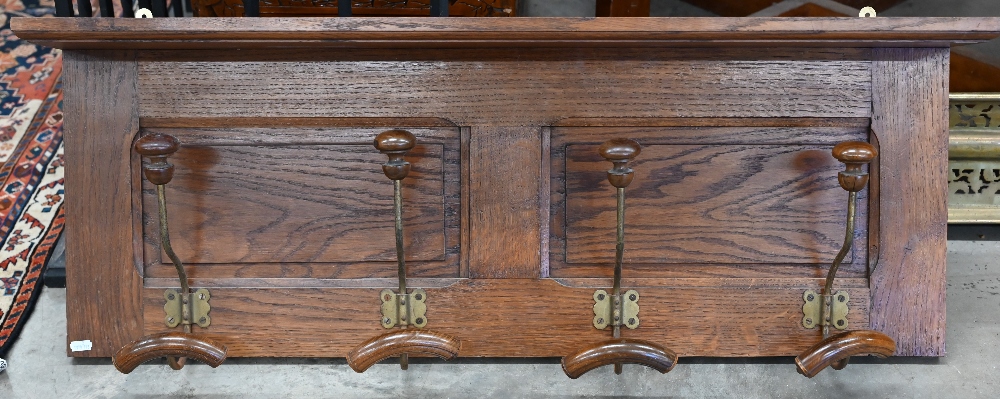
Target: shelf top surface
395,32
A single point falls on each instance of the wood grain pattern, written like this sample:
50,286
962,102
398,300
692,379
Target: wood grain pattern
874,207
560,53
755,85
911,121
619,351
229,33
840,347
311,204
299,123
316,198
400,342
777,282
552,320
577,86
103,279
175,344
504,191
718,131
710,204
790,135
704,204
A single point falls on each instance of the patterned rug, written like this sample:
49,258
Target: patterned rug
31,166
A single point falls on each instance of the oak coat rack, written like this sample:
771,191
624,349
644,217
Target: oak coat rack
280,208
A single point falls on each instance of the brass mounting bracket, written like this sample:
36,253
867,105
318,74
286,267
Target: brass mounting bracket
616,310
837,310
404,309
191,308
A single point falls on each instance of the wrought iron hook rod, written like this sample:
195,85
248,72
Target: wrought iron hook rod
619,258
161,196
825,310
397,199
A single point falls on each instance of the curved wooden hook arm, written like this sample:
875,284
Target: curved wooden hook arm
402,342
169,344
835,350
619,351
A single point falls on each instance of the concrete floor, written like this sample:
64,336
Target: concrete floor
39,367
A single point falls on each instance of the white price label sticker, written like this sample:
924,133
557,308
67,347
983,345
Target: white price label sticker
80,346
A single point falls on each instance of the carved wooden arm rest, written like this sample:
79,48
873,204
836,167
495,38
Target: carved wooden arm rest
402,342
836,349
169,344
619,351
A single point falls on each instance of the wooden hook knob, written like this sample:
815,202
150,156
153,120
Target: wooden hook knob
402,342
157,147
619,351
619,152
169,344
395,144
854,155
836,349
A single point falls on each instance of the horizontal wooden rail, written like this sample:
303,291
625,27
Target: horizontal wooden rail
503,32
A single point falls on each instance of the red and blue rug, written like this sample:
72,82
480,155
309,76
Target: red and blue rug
31,166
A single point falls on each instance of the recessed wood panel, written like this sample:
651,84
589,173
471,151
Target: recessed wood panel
718,207
319,210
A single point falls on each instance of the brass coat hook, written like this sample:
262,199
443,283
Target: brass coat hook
828,308
404,308
617,309
183,307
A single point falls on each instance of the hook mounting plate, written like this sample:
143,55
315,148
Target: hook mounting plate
191,308
606,313
811,315
404,309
